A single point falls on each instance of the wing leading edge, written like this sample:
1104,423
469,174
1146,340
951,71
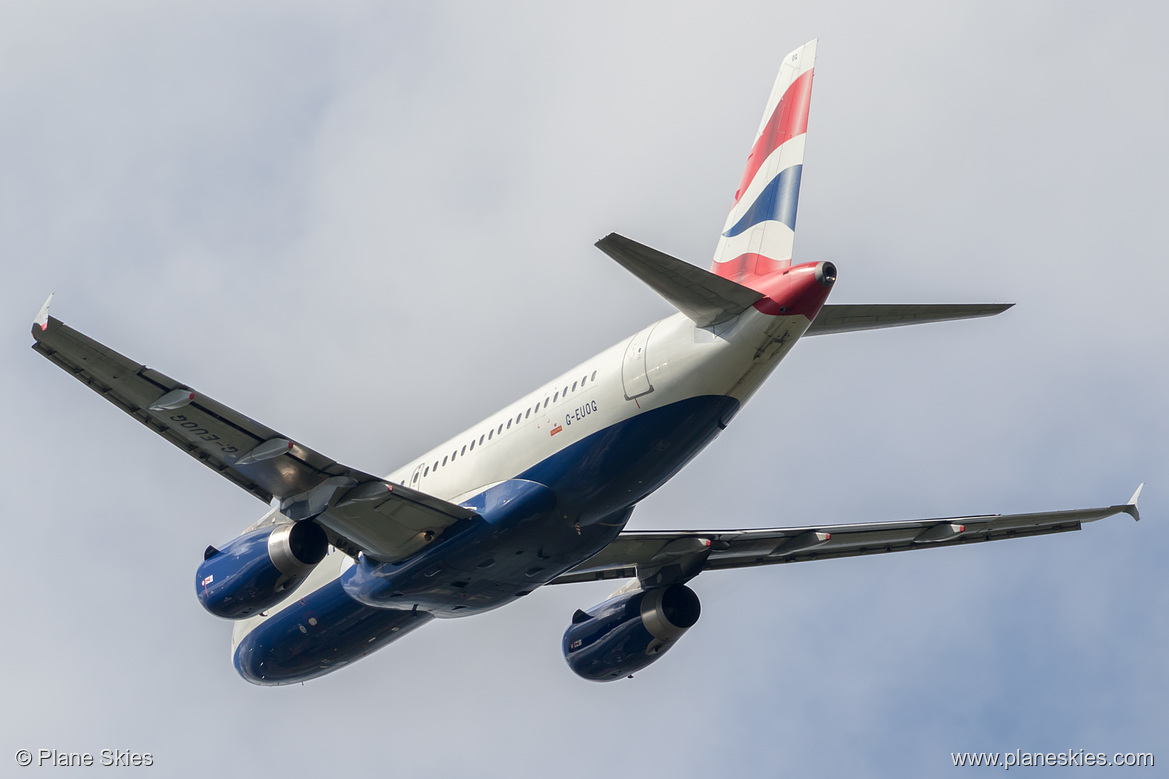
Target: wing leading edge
359,512
666,557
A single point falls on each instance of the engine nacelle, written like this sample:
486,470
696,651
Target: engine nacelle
629,631
259,569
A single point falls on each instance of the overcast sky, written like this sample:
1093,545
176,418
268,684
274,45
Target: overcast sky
370,227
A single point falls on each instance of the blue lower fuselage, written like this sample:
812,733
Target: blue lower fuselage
532,528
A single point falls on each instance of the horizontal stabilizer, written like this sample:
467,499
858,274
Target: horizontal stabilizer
699,294
848,318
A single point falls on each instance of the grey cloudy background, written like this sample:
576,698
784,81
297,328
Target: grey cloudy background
371,226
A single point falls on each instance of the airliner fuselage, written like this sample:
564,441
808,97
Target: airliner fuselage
554,476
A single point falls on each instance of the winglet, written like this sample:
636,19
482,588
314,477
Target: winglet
43,315
1131,508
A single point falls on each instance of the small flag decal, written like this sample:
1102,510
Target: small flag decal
556,429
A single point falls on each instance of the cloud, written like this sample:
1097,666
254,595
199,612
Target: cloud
371,227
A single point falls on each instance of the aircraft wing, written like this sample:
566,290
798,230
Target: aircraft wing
359,512
666,557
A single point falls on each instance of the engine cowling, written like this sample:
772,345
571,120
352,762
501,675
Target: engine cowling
258,569
629,631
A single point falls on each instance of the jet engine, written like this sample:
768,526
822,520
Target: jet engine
259,569
629,631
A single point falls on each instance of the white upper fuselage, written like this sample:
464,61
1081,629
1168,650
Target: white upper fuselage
679,361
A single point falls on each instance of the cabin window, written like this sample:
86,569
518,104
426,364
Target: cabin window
500,430
472,448
545,402
554,397
480,440
518,417
489,434
465,448
594,376
509,424
574,386
436,465
444,461
454,454
427,471
527,413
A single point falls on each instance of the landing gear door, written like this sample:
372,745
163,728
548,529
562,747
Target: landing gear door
634,378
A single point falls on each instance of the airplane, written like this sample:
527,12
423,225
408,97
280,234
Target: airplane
541,492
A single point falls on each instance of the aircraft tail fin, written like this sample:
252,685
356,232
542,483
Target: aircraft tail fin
760,229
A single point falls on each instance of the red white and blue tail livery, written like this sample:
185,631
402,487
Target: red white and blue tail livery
760,230
346,562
